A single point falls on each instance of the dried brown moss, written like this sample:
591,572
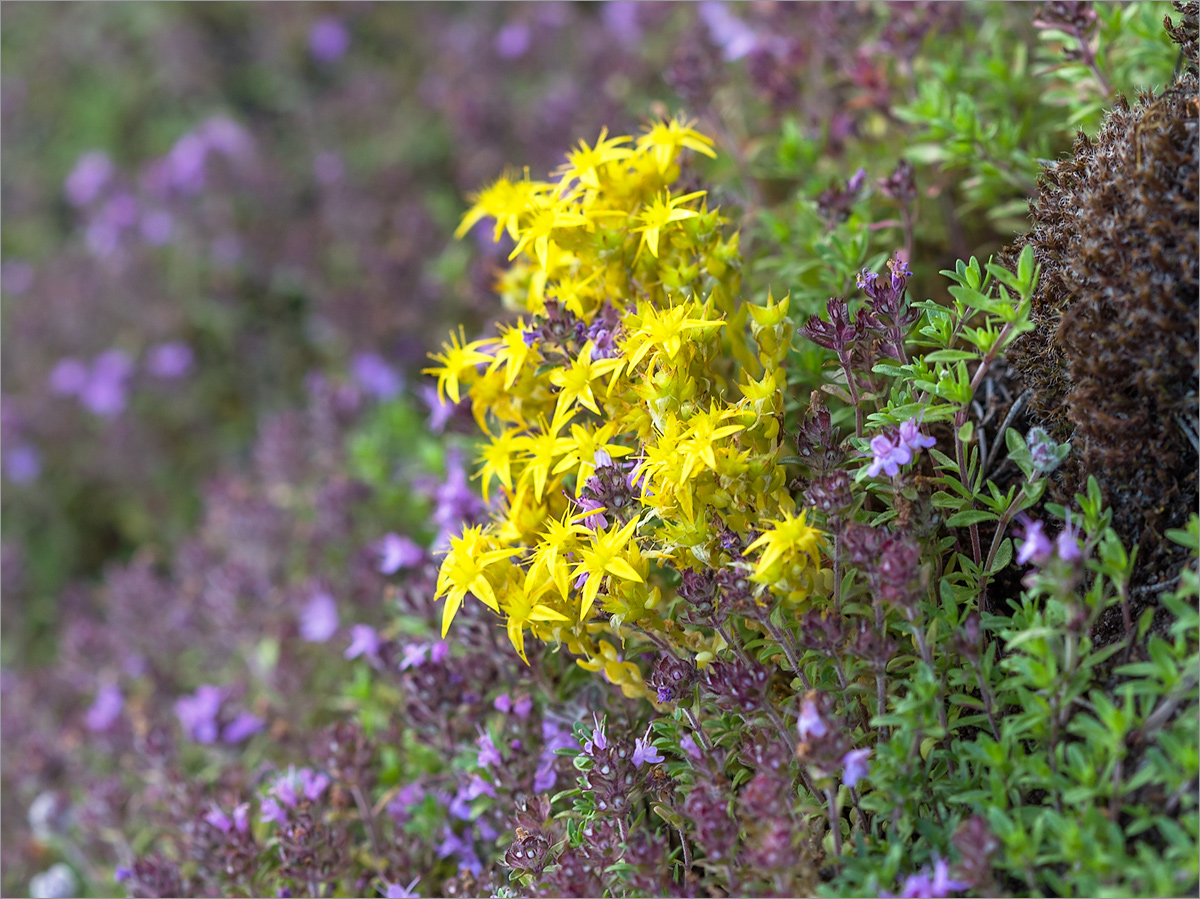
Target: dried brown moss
1113,361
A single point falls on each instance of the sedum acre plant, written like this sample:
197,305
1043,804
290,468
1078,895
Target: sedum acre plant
632,416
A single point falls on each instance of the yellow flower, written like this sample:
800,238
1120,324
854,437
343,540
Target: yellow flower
659,213
703,430
790,537
587,442
505,201
511,352
666,139
543,452
497,460
458,360
542,224
522,606
608,554
663,330
463,569
584,162
576,381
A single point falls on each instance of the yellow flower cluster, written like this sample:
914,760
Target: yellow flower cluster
631,415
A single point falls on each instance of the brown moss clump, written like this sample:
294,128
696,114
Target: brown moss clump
1113,361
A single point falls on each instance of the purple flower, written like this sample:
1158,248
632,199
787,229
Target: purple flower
121,874
312,783
170,360
414,655
438,651
398,552
395,891
1067,543
241,817
911,436
104,392
409,795
328,168
197,713
810,723
488,753
727,31
284,788
1037,547
645,752
68,377
328,39
186,163
688,745
319,620
938,886
120,212
227,137
522,707
272,811
855,764
545,777
218,819
22,463
599,738
512,41
105,709
91,174
363,641
477,787
376,377
888,456
243,727
502,703
621,19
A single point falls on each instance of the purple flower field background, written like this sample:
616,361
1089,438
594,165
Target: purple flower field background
850,581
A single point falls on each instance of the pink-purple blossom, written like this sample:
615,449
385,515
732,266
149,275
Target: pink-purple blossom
170,360
397,552
241,728
375,376
1036,547
328,39
319,621
105,709
197,713
87,180
363,641
645,752
396,891
810,724
854,765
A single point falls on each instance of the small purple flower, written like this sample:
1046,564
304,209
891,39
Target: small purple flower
438,651
272,811
502,703
68,377
810,723
218,819
477,787
396,891
440,412
328,39
1037,547
414,655
855,764
522,707
938,886
409,795
120,212
911,436
241,728
489,755
621,19
688,745
545,777
645,752
22,463
888,456
319,620
186,163
599,738
227,137
105,709
284,789
398,552
312,783
735,38
197,713
105,391
513,40
170,360
241,817
363,641
1067,544
375,376
121,874
90,176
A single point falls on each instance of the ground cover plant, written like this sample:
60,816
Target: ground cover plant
768,522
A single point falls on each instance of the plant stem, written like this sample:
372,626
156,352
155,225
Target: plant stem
834,821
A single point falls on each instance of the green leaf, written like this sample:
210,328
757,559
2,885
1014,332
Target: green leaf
970,516
949,355
1004,555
